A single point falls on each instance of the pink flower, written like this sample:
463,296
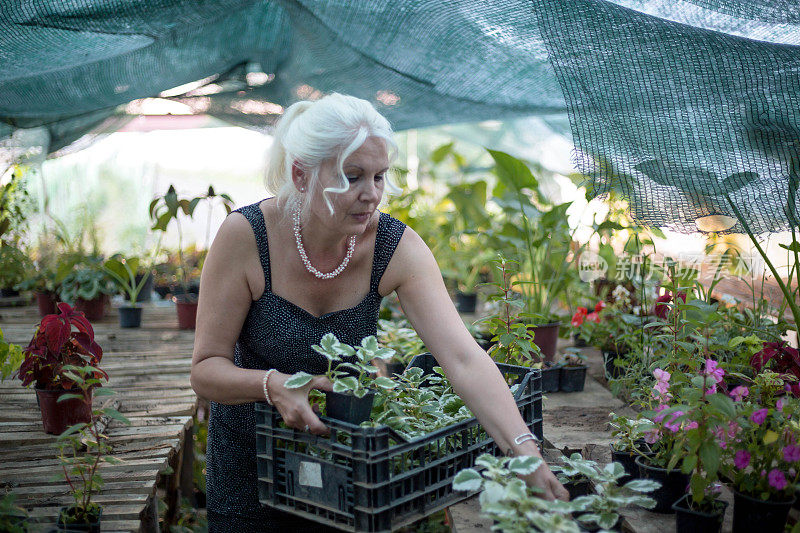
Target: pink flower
741,459
791,454
719,433
713,370
779,404
672,425
691,425
659,418
777,480
652,436
759,416
662,376
594,317
739,393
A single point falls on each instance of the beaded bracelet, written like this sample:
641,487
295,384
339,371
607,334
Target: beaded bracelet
267,374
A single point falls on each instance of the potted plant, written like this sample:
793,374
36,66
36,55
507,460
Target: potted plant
123,270
514,341
544,241
14,209
764,456
353,382
629,444
705,416
400,337
65,339
662,437
87,287
573,372
82,448
599,508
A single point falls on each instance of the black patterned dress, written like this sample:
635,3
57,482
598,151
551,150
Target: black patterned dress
278,334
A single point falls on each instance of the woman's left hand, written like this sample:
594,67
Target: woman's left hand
547,482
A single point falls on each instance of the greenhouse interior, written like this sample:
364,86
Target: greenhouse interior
364,266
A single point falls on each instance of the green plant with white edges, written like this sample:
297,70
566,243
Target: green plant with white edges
628,431
602,508
509,501
419,404
400,337
356,377
10,358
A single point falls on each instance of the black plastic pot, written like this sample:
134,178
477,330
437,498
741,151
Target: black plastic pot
466,302
578,341
161,290
147,288
754,514
348,408
394,368
690,521
9,293
581,487
572,378
673,484
130,317
628,461
551,377
93,527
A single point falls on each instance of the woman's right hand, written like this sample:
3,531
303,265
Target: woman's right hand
293,404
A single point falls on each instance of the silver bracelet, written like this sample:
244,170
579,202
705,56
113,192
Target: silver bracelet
519,439
267,374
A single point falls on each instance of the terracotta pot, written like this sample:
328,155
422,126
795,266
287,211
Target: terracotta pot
94,309
58,416
46,302
546,338
187,314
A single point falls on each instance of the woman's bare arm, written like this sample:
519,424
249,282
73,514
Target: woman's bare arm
416,277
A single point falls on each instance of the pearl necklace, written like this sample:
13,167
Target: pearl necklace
351,245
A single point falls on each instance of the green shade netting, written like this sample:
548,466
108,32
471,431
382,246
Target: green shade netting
685,107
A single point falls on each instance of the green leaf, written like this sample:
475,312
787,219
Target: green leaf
524,465
297,380
384,383
710,454
642,485
116,415
724,404
468,480
71,396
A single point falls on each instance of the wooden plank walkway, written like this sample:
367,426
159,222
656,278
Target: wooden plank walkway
149,369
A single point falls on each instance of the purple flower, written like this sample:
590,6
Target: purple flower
759,416
652,436
691,425
712,369
777,480
741,459
659,418
739,393
779,404
791,454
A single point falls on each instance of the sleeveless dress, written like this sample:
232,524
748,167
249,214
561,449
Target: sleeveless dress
278,334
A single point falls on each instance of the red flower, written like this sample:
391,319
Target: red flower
594,317
577,318
661,309
600,306
782,359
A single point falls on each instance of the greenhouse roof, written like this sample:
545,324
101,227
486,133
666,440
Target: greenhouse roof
690,108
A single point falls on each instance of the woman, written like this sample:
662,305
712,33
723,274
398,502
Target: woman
318,258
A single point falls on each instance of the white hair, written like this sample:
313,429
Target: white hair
310,133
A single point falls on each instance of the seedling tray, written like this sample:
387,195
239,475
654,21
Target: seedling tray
377,480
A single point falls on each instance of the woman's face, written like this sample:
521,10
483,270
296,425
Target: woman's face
365,170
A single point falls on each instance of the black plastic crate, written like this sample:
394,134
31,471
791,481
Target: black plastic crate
378,481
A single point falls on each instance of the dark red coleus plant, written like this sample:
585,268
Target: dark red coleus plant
66,338
781,358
